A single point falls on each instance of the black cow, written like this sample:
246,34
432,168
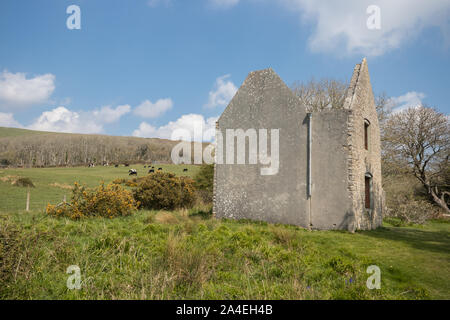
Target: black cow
159,168
116,165
185,170
126,165
132,172
145,167
151,171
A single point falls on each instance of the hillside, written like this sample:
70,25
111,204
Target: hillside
28,148
16,132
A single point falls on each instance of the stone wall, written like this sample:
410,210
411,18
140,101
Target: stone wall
339,158
265,102
361,105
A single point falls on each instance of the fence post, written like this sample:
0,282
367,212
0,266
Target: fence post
28,199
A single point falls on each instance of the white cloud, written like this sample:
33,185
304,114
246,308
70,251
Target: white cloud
223,3
62,119
109,115
409,99
224,91
147,109
189,122
18,91
340,24
7,120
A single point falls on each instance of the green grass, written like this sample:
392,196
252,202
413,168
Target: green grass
14,132
51,184
190,255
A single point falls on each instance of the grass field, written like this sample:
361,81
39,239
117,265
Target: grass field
14,132
187,254
51,184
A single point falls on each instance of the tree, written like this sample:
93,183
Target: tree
320,95
420,137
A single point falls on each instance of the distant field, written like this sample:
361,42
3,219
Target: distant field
53,183
15,132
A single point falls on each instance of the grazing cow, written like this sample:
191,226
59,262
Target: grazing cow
91,165
132,172
151,171
159,168
116,165
145,167
153,167
185,170
126,165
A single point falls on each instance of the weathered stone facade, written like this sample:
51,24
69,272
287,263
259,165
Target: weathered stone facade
327,160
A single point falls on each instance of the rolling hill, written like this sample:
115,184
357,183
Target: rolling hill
29,148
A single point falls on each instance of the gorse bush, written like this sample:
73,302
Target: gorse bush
110,201
119,181
164,191
23,182
204,182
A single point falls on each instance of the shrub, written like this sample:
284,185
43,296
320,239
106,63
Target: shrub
204,181
411,211
132,182
110,201
23,182
119,181
9,252
165,191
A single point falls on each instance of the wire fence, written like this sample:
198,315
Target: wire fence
36,204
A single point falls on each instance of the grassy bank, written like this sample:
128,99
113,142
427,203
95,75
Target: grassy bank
189,255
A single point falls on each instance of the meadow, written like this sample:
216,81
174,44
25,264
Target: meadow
188,254
51,184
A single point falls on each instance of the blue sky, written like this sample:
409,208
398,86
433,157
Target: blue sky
146,68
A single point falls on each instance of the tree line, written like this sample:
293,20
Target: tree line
62,149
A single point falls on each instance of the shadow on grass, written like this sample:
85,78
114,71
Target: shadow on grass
204,214
436,241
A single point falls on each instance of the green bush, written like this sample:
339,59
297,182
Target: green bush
204,182
164,191
23,182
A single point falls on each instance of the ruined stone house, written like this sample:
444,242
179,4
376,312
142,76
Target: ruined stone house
329,171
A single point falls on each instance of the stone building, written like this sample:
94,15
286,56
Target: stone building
328,174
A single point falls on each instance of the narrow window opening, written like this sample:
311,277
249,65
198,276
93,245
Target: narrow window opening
368,193
366,134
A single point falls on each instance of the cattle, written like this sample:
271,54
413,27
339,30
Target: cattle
132,172
126,165
185,170
116,165
159,168
151,171
91,165
145,167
